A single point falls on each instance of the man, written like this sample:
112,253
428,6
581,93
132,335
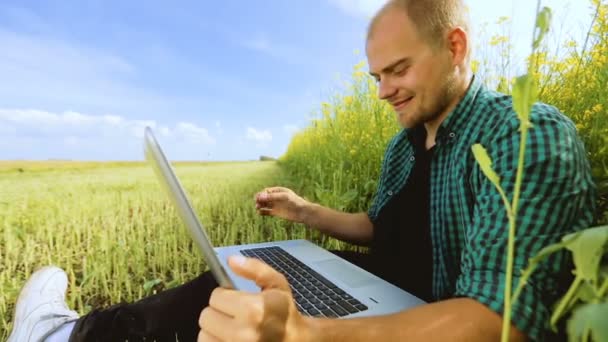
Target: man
437,226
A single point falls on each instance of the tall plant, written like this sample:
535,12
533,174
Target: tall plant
587,297
525,93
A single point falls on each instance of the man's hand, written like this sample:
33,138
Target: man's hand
281,202
270,315
284,203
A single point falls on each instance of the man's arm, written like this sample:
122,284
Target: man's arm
271,315
556,198
284,203
353,228
460,319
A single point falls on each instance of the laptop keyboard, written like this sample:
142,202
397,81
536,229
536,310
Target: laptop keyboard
314,294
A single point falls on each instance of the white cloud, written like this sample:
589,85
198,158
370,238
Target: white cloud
165,131
359,8
69,118
73,129
43,123
193,133
218,127
261,137
290,129
286,53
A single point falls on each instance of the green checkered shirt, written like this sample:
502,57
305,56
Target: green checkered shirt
468,221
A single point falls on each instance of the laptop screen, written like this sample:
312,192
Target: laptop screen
172,186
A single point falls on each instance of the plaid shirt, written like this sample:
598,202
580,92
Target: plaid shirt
468,221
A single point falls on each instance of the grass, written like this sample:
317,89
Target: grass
113,230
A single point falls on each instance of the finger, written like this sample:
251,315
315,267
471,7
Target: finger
257,195
266,200
216,323
277,189
262,274
231,302
261,197
277,196
265,211
263,205
204,336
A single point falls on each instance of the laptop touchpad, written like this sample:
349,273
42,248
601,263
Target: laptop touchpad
345,272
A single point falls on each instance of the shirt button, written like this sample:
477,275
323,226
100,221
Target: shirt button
390,193
452,135
412,158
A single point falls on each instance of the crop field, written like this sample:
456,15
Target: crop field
113,229
115,232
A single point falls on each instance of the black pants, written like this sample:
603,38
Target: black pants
167,316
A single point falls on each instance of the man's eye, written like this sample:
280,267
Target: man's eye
400,71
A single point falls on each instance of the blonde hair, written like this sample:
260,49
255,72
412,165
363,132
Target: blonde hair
432,18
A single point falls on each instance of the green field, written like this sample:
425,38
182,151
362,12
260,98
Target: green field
110,226
114,231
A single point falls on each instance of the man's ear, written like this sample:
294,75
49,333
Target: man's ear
458,45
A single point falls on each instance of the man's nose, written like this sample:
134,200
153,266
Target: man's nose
386,89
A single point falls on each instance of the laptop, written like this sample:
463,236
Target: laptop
323,284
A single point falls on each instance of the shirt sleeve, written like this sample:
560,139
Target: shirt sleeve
557,197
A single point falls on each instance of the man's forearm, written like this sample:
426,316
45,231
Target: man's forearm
354,228
460,319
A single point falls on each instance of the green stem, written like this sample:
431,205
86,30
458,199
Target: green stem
586,334
535,261
506,323
603,290
522,282
566,300
580,61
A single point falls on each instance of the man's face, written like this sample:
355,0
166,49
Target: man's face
415,78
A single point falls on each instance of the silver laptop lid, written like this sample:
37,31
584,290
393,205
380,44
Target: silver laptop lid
172,186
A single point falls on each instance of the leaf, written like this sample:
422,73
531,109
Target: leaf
173,283
525,93
321,195
485,163
543,21
150,284
589,317
349,196
587,251
370,185
534,261
585,293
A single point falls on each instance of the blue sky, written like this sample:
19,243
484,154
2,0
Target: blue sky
217,80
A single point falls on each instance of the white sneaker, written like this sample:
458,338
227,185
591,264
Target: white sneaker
41,307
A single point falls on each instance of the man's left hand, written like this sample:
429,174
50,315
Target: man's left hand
270,315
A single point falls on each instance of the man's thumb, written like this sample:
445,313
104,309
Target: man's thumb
253,269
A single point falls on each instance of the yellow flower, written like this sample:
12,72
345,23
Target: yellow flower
597,108
359,65
496,40
502,19
475,66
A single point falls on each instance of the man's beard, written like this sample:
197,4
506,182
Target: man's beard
444,99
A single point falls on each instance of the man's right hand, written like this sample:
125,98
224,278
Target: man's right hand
281,202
